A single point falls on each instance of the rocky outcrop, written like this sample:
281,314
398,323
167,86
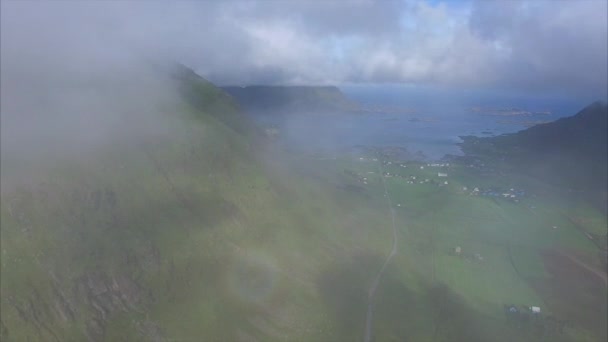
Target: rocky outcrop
94,298
106,295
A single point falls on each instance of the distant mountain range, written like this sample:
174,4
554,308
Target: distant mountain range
571,151
282,99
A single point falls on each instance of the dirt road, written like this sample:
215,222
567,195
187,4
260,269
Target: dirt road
372,290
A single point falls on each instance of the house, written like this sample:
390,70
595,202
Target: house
271,132
441,174
535,309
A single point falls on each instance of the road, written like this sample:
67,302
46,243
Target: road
372,290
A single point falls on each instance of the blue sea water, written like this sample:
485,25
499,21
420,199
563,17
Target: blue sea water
429,121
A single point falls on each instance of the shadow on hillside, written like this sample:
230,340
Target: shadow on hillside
407,312
574,293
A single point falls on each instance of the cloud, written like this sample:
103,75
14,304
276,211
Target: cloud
70,85
546,44
531,45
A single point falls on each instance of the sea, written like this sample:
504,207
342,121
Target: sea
427,122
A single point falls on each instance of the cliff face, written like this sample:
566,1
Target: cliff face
282,99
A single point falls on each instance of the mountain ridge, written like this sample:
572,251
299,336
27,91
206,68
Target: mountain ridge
570,152
277,99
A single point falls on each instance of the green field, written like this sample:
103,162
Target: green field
511,239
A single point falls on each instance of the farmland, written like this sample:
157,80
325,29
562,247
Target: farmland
521,252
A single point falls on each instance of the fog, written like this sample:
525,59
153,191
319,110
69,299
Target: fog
68,91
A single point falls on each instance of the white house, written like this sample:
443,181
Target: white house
441,174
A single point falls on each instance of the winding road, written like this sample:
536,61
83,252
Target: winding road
372,290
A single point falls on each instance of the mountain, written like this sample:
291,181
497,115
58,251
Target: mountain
570,152
584,134
291,98
212,100
177,224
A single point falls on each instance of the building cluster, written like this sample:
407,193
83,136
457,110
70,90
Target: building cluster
457,251
512,194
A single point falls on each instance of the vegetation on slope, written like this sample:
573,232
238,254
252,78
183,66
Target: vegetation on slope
178,230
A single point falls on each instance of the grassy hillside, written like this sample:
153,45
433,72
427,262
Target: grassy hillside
181,234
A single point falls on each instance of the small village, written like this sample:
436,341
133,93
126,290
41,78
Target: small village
533,320
436,174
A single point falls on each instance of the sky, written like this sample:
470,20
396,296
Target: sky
535,46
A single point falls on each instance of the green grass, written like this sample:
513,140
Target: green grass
509,236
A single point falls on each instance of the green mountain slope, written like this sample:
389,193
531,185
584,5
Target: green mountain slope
183,229
294,98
